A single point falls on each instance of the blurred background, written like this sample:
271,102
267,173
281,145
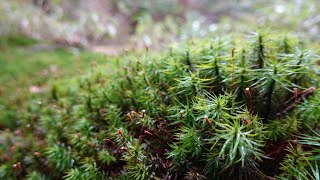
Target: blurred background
95,23
44,40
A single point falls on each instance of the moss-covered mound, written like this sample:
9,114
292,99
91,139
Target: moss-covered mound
230,108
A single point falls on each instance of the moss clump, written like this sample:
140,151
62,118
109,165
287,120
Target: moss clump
214,109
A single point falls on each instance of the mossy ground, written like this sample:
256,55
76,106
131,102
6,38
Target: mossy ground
209,109
23,66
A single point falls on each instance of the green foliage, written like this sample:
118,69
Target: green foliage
106,157
280,129
235,145
36,176
310,110
189,145
297,166
73,174
313,141
202,110
60,157
216,108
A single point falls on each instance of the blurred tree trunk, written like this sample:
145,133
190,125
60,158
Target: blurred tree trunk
45,5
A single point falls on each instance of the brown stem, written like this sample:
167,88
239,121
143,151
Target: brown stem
142,122
290,104
18,167
143,113
131,155
78,136
135,113
250,100
208,121
141,128
295,91
114,144
129,116
150,134
120,133
232,54
181,116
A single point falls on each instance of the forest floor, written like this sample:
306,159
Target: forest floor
27,68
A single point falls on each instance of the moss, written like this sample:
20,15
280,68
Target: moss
204,110
17,40
23,68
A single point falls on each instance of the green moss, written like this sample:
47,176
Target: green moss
199,114
22,67
16,40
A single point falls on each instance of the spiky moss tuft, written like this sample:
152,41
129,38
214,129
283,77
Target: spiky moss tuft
207,109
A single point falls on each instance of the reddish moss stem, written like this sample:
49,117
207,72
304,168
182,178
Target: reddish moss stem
129,116
208,121
114,144
141,128
232,81
143,113
295,91
181,116
250,101
78,135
